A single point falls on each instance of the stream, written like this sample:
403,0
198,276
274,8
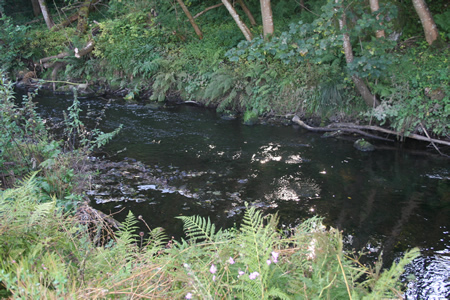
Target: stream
172,160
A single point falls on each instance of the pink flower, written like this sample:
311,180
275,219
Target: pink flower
214,278
268,262
240,273
188,296
275,256
253,275
213,269
231,261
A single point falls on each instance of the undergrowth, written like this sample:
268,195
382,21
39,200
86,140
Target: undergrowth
49,254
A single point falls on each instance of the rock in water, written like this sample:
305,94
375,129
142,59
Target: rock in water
363,145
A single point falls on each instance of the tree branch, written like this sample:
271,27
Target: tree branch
349,127
206,9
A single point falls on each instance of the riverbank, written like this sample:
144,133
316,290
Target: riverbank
146,53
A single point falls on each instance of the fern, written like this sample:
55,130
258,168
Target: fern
219,86
200,229
126,235
156,241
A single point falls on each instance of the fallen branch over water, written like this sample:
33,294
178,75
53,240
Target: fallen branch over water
353,128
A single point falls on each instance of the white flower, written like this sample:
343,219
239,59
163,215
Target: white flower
188,296
275,256
253,275
213,269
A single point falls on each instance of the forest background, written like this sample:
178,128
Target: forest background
380,62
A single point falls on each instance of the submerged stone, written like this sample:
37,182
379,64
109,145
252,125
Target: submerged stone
363,145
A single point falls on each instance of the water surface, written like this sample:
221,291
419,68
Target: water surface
185,160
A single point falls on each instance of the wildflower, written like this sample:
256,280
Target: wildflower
213,269
253,275
275,256
268,262
240,273
214,278
188,296
231,261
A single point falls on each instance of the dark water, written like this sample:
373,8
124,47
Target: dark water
388,200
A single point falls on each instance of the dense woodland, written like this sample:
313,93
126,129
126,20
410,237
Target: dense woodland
382,64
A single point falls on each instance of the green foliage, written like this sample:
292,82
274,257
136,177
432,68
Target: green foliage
39,247
26,146
77,135
443,21
45,43
416,98
261,263
13,38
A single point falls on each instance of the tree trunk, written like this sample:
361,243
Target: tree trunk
374,7
429,27
47,17
36,8
240,24
362,88
266,12
83,14
247,12
191,19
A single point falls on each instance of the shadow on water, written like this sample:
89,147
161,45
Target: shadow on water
180,160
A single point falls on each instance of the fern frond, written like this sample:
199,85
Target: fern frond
156,241
198,228
126,233
219,86
277,294
41,212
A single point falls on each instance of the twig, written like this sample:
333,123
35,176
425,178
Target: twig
431,141
206,9
345,277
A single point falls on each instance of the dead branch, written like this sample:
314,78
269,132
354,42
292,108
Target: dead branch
297,120
349,127
206,9
44,62
66,22
379,129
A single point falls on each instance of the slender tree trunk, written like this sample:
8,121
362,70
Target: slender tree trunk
362,88
374,7
191,19
36,8
247,12
302,4
47,17
240,24
266,12
83,14
429,27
